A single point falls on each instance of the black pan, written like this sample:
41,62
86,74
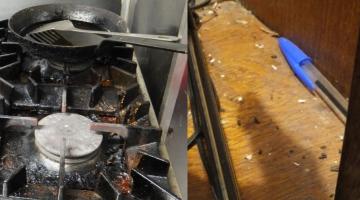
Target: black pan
24,21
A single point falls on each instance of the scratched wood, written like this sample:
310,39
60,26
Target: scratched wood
283,140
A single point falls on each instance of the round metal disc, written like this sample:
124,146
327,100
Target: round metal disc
80,140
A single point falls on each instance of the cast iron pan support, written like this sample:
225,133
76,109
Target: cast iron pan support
209,135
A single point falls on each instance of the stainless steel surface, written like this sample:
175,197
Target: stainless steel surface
173,111
10,7
174,182
154,17
174,82
81,142
176,140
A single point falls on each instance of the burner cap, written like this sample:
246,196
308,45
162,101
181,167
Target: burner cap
81,143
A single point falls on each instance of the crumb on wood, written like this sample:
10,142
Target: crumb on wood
241,21
323,156
334,168
274,56
260,152
256,120
239,99
302,101
274,67
323,147
268,31
215,5
248,157
211,13
341,137
296,164
238,122
259,45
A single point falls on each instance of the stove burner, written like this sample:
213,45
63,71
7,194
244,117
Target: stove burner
81,143
122,163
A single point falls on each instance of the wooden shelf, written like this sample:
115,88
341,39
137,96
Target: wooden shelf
278,132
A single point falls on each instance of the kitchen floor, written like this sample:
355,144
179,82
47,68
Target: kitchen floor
285,142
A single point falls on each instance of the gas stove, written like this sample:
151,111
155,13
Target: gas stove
77,130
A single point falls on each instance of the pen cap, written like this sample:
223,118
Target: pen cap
290,49
301,74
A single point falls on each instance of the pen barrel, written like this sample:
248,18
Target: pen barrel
310,70
335,108
327,91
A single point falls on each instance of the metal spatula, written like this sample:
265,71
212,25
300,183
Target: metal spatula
65,33
71,38
67,25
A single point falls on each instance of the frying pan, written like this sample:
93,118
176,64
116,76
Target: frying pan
24,21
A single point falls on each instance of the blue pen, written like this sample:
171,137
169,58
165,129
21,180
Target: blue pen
299,62
302,66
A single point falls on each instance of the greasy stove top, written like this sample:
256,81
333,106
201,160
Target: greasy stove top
77,131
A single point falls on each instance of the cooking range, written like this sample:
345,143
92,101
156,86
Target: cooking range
76,128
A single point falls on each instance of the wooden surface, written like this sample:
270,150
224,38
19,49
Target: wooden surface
349,176
277,131
326,30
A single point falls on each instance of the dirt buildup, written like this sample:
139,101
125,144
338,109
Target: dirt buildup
323,156
334,168
124,183
256,120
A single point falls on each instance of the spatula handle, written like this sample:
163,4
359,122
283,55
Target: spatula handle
167,38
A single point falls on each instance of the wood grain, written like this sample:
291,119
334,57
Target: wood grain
327,30
349,176
268,116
